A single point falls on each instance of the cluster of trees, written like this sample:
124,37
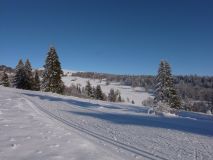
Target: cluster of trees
93,92
5,80
114,96
96,93
25,78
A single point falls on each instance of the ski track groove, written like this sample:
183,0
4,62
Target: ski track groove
76,126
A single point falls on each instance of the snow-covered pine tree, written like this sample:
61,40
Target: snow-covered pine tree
165,92
20,77
173,98
160,83
88,89
119,98
36,82
174,101
29,75
93,95
5,80
99,93
112,96
51,77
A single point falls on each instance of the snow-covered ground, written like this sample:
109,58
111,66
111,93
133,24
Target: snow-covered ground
35,125
127,92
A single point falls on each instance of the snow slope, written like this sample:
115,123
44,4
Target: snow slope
35,125
127,92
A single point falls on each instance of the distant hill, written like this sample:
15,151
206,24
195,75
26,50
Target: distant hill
7,69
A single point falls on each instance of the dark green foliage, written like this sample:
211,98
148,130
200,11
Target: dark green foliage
4,80
93,95
29,75
20,78
36,82
165,91
51,77
88,89
112,95
99,93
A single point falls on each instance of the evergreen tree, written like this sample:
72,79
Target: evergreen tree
93,95
29,75
165,92
51,78
4,80
99,93
36,82
119,98
174,101
112,96
88,89
20,78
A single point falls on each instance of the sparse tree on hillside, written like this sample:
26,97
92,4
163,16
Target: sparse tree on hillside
51,77
5,80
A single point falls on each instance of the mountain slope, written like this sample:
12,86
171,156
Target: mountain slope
128,93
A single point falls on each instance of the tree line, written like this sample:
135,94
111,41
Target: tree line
51,80
25,78
170,92
195,92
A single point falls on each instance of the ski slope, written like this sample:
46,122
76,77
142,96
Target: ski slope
36,125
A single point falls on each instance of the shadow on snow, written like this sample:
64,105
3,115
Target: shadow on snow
201,127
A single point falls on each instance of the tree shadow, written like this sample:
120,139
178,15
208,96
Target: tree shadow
69,101
202,127
179,124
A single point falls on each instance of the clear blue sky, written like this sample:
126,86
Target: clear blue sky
113,36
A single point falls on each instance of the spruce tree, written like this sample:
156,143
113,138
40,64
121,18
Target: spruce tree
119,98
36,82
29,75
112,96
93,95
88,89
51,77
165,92
5,80
99,93
20,78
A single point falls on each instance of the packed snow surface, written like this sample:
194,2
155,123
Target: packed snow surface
35,125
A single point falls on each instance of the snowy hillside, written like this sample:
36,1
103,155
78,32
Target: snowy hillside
36,125
127,92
